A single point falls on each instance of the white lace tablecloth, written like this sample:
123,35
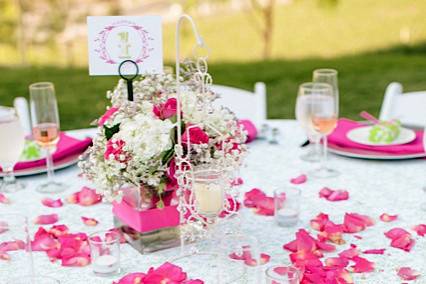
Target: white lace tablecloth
375,187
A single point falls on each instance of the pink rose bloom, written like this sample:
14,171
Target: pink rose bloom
166,110
196,135
107,115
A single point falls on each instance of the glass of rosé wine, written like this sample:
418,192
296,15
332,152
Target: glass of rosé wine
321,117
45,129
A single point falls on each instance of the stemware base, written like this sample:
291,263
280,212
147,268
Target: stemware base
310,157
51,187
11,187
324,173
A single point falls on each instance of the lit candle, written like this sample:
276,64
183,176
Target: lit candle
209,198
106,264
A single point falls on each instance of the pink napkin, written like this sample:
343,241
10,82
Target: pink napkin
67,146
338,138
250,128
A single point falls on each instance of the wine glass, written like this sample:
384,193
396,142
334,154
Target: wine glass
15,245
322,105
11,146
45,126
302,116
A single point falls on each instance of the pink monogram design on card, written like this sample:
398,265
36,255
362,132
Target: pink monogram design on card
123,40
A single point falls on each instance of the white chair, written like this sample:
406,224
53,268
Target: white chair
21,106
409,108
245,104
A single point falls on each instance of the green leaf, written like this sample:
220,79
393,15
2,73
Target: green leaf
167,155
110,131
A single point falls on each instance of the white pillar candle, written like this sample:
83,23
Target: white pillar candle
209,198
106,264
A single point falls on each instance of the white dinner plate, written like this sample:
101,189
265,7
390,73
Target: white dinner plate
360,135
370,155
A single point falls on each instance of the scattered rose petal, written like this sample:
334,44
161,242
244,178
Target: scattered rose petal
12,246
262,204
52,203
328,230
85,197
4,199
362,265
350,253
58,230
299,180
420,230
358,237
43,241
46,219
112,234
334,195
341,262
132,278
401,239
4,256
354,223
374,251
388,218
89,221
167,272
406,273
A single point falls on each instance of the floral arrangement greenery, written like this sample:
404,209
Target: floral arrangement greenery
135,143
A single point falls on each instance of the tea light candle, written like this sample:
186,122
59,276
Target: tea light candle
209,198
106,264
287,217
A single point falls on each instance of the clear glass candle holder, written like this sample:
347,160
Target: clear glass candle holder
209,191
105,252
281,274
287,206
34,279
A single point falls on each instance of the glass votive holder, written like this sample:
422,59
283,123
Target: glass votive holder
34,279
281,274
209,190
287,206
105,252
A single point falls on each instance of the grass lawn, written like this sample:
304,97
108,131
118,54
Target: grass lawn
363,79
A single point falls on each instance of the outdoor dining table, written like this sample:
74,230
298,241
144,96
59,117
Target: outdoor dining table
375,187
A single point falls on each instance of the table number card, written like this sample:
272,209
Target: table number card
114,39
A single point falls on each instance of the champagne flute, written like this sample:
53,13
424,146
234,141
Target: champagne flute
302,116
45,125
322,118
328,76
11,144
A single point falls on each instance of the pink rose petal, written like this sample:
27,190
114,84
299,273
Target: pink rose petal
262,204
374,251
388,218
52,203
354,223
362,265
401,239
4,256
333,195
132,278
4,199
420,230
12,246
89,221
350,253
85,197
46,219
340,262
299,180
406,273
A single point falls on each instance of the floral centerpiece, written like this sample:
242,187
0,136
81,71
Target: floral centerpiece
135,143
